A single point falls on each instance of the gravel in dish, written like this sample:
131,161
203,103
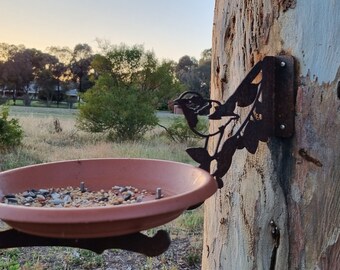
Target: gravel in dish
80,197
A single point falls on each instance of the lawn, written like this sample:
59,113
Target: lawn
42,143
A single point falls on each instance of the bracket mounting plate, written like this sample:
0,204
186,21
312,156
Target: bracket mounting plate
284,99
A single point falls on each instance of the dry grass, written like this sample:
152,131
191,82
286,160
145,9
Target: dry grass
47,145
42,143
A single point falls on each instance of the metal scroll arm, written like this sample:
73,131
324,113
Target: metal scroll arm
136,242
267,91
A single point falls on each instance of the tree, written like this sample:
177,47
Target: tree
61,71
195,75
294,182
8,50
186,63
45,67
161,83
204,72
133,66
63,54
81,65
17,71
22,66
127,63
130,84
47,85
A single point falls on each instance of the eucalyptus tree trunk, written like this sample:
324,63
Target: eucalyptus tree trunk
292,185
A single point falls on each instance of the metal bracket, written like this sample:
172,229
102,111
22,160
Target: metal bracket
284,96
268,93
136,242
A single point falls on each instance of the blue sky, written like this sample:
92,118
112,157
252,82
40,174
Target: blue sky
171,28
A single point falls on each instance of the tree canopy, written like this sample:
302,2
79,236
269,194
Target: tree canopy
133,66
80,65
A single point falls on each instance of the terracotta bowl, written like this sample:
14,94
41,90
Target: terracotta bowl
182,185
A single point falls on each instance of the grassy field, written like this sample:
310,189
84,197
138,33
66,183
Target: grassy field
43,112
42,143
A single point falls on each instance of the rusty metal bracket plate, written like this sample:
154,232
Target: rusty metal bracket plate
267,95
284,100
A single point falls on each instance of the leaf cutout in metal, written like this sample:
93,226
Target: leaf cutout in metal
240,143
248,95
259,107
224,157
250,139
247,87
261,131
227,109
205,166
203,160
219,182
201,156
190,116
192,105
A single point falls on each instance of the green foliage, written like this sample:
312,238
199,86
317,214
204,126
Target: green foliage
18,158
47,84
11,132
135,67
193,256
129,85
124,112
84,258
81,65
11,260
163,85
193,221
179,130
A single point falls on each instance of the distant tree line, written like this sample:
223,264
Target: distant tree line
49,74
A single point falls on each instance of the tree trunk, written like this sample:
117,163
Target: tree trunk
295,183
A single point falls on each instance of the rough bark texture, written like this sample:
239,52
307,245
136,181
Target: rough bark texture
294,182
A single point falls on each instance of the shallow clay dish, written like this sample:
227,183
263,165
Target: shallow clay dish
182,185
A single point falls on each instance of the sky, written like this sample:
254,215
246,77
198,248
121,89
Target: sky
170,28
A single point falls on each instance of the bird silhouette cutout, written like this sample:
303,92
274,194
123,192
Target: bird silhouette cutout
249,132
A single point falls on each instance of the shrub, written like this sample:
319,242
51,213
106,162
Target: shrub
124,112
11,133
179,130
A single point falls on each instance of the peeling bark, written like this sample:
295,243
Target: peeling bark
314,199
